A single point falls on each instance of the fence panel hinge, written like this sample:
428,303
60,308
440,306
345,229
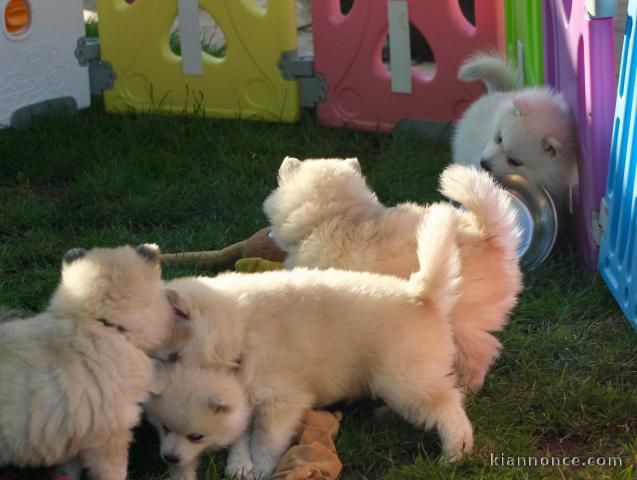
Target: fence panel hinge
101,74
313,86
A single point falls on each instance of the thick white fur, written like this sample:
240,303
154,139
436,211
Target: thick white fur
532,126
324,215
196,401
313,337
70,386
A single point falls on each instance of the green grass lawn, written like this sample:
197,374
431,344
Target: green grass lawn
564,385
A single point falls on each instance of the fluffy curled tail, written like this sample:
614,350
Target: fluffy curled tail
439,274
489,203
496,73
490,210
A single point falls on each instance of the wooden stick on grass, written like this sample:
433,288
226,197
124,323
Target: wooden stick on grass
208,258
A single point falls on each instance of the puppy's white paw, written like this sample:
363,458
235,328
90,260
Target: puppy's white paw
450,457
454,452
265,459
239,468
263,470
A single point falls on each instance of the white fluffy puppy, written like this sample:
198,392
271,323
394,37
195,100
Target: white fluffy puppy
314,337
528,132
324,215
195,410
72,378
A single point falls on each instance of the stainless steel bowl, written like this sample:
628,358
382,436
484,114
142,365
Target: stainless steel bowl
537,218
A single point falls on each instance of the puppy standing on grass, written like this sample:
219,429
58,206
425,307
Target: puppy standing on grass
72,377
314,337
324,215
528,132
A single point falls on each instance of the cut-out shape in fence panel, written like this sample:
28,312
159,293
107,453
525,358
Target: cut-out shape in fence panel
211,38
422,56
580,62
37,58
617,256
523,24
260,4
346,6
348,54
244,82
468,9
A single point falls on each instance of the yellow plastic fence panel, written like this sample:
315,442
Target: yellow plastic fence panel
245,83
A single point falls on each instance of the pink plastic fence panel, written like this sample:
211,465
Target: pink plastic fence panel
580,62
347,53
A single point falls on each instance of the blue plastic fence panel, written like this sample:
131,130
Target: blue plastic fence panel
618,256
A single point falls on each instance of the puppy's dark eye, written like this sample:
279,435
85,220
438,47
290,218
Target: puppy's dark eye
498,138
165,429
513,162
173,357
194,437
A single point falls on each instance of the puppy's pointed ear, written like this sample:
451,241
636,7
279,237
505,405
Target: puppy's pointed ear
180,308
149,252
218,404
521,107
353,162
72,255
552,146
289,165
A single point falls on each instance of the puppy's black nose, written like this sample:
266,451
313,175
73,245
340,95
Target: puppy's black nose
172,459
485,165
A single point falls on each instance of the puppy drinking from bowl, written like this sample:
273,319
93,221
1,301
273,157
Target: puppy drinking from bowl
528,132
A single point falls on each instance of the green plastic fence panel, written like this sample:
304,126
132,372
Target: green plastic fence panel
523,24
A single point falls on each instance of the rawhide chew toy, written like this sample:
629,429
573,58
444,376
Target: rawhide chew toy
313,457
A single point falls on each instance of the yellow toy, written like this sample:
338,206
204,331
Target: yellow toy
245,84
257,265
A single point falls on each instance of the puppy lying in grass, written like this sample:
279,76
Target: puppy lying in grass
306,338
73,377
324,215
